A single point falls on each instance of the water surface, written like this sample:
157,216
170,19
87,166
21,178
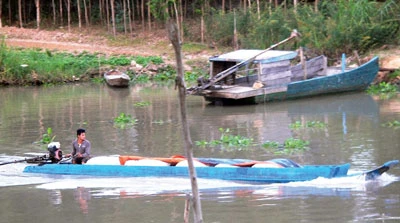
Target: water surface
354,134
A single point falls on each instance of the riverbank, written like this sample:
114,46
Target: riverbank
155,43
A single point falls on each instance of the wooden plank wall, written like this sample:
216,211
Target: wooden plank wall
277,73
314,68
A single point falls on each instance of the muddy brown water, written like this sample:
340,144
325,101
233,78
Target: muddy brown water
354,133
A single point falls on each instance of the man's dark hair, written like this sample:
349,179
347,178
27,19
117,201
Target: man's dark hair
80,131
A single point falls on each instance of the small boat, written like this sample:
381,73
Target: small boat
270,75
116,78
252,171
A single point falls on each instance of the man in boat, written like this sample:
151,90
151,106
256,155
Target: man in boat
80,148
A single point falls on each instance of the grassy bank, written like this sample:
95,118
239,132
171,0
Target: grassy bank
41,67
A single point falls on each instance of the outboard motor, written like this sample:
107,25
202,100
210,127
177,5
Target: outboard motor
55,153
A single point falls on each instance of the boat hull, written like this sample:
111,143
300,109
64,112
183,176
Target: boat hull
246,174
117,79
357,79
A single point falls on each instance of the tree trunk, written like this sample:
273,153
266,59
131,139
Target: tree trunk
130,17
113,18
180,84
78,5
142,14
181,18
9,12
86,14
19,13
53,5
149,15
178,21
1,14
61,14
270,7
108,15
133,13
202,24
101,8
89,9
235,38
69,14
124,15
37,4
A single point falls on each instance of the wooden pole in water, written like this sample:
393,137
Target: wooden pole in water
173,34
187,209
303,63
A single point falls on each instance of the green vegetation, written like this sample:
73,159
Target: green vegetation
393,124
394,75
309,124
124,121
165,74
337,27
47,137
98,80
43,67
142,104
271,145
383,90
192,76
141,79
193,47
290,146
227,139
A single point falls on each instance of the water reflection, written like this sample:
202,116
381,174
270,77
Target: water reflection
353,134
351,121
55,197
82,196
118,93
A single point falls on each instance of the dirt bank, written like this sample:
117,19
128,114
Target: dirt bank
145,44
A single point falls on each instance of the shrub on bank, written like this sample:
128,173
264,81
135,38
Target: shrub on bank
336,27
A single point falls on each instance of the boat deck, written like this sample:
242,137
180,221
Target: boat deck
240,92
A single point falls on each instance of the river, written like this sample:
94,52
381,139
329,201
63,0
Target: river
354,133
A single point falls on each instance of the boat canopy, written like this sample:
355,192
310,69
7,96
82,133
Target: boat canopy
244,54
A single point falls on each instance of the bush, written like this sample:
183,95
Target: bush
337,27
